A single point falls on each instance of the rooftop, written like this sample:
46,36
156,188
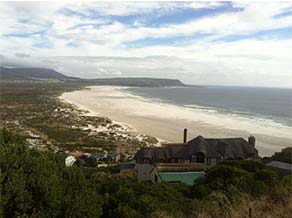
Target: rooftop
280,165
222,148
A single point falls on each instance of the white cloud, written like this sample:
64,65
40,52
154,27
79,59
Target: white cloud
21,55
265,61
137,8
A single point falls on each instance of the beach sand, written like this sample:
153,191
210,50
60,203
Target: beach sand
166,121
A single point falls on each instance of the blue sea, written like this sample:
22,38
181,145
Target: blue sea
253,102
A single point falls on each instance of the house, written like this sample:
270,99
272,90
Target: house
113,157
76,153
106,157
200,150
129,165
69,161
284,168
99,157
177,172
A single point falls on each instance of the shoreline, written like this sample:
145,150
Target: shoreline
144,117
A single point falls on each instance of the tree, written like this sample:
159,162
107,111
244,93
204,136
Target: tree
37,184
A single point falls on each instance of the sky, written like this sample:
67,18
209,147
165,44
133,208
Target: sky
204,43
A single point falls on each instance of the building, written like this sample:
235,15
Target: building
283,168
177,172
106,157
69,161
125,166
200,150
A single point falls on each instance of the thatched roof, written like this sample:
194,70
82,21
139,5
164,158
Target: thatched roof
222,148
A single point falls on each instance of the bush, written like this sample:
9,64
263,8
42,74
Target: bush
286,183
9,137
37,184
221,177
248,165
200,191
269,177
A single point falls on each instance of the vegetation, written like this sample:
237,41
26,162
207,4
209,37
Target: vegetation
34,110
36,183
141,82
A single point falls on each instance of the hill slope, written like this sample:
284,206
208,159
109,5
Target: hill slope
31,74
50,74
145,82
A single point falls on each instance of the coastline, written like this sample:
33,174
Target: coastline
166,122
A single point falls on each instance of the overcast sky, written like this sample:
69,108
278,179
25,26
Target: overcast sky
219,43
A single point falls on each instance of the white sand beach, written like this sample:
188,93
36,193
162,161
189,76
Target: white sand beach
166,121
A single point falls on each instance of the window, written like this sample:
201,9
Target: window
200,158
145,160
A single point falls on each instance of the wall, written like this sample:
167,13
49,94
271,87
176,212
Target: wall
143,172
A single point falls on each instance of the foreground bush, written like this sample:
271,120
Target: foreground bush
37,184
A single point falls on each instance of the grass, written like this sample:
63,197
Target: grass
251,208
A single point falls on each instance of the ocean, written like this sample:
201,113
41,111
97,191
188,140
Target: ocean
273,104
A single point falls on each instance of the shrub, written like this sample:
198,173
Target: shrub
248,165
200,191
37,184
286,183
221,177
269,177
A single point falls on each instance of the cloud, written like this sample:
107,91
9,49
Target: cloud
22,55
1,58
135,8
210,42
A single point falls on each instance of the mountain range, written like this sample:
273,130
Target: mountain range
45,74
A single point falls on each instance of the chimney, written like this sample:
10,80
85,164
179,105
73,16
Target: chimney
185,135
252,140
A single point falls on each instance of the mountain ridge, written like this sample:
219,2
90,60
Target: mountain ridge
37,74
138,81
30,73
